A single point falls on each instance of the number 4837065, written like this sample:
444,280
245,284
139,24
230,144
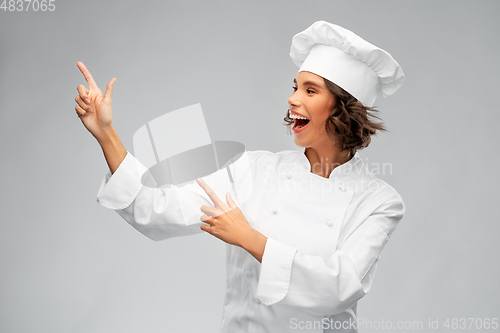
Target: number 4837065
26,5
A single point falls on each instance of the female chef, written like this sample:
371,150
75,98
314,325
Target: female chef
303,245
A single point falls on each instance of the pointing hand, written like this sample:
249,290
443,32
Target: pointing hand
94,108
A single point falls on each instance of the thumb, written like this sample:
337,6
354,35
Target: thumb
230,201
108,94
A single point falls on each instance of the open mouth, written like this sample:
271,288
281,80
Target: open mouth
300,120
299,123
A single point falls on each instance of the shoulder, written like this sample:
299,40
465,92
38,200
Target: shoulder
377,202
270,154
266,163
375,190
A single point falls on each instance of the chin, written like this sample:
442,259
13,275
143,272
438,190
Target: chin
299,143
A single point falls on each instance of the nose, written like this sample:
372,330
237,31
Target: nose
293,100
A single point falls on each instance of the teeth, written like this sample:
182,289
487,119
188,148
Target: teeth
294,116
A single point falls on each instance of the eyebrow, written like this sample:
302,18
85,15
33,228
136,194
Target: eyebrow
309,83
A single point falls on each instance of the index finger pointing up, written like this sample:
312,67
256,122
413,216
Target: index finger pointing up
87,75
211,193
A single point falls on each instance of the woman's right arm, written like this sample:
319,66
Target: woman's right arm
95,111
158,213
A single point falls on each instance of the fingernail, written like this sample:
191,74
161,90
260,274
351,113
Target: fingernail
198,180
87,101
90,110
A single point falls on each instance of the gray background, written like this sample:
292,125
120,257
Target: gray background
70,265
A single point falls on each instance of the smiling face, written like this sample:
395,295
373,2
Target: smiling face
313,100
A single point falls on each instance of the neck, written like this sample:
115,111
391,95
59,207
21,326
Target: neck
324,160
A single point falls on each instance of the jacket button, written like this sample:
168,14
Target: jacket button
329,222
289,176
275,211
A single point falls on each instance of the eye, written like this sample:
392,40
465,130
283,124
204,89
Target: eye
294,88
309,91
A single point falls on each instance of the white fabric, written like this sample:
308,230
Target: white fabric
361,68
353,76
325,235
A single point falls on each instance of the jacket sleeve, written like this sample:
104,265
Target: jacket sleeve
158,213
328,288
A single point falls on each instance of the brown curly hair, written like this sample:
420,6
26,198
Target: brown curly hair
349,122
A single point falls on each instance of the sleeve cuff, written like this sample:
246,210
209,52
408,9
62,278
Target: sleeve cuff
274,279
118,190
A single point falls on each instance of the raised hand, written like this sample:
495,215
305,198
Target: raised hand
94,108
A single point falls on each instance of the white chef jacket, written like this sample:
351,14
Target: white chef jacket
325,235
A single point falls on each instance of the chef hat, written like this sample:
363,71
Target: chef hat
337,54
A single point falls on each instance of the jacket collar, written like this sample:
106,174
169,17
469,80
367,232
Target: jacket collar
342,171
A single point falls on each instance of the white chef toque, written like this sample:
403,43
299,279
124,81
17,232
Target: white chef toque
342,57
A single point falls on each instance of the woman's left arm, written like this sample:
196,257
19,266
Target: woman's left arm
307,281
227,222
328,288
